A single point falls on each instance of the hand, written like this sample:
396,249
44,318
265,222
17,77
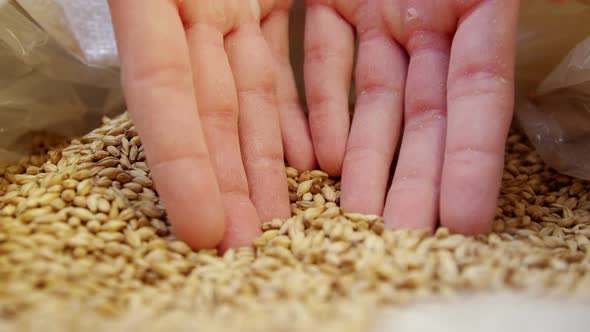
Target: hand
207,83
442,67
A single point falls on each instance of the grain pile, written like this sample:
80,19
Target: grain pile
84,237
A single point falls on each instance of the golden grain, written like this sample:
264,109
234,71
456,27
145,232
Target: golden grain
85,225
304,187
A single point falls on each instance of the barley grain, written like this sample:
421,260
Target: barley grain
85,225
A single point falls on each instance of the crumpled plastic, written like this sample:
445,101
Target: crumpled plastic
58,70
59,73
553,82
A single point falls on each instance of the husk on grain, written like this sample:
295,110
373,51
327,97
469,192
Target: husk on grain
83,231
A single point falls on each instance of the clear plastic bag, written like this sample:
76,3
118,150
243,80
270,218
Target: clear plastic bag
553,82
58,70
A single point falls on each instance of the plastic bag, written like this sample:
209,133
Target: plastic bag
58,70
553,82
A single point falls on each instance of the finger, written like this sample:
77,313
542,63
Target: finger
218,108
259,128
294,126
380,80
413,198
329,51
480,102
159,91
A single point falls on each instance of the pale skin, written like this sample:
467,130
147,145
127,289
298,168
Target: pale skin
210,88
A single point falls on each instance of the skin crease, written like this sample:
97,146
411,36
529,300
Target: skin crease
435,75
217,121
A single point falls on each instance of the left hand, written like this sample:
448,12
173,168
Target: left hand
442,67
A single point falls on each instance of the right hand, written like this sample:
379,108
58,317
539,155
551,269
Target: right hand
211,111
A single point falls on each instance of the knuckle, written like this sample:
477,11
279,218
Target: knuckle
429,41
325,104
281,56
409,182
223,117
478,80
377,88
264,93
170,160
318,52
420,103
223,108
317,100
213,13
354,10
288,102
260,84
322,111
170,73
370,35
272,160
368,153
270,6
234,186
423,118
236,194
472,154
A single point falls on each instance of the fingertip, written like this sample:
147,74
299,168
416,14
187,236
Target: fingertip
273,206
307,163
302,162
243,222
411,205
332,166
359,204
206,236
297,143
364,184
331,158
236,239
193,202
268,188
408,217
466,222
201,225
299,151
468,200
